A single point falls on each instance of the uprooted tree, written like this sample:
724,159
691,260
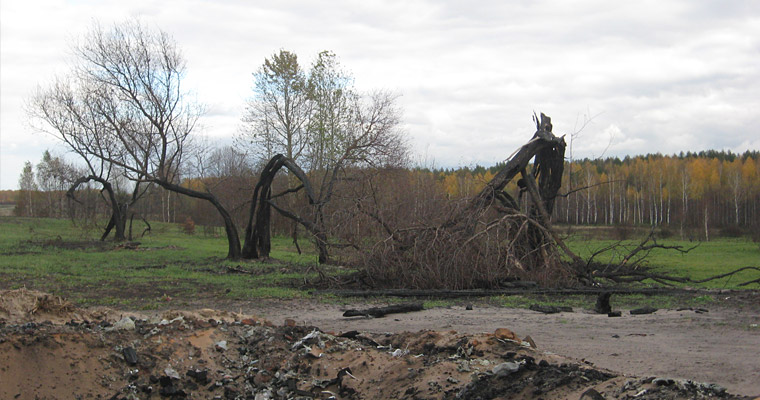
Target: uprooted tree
489,239
492,239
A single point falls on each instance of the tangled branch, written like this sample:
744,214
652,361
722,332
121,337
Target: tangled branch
487,241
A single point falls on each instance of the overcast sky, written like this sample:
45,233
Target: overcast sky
657,76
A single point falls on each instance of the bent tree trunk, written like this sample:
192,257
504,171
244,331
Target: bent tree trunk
233,240
257,233
118,219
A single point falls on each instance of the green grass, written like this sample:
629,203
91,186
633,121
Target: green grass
707,259
171,268
56,256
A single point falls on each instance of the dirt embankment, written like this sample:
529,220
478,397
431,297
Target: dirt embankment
51,350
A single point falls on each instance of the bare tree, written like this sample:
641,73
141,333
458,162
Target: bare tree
75,111
138,116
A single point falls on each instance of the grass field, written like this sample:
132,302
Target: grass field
703,260
55,256
171,266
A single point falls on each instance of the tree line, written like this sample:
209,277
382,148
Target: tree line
711,189
675,191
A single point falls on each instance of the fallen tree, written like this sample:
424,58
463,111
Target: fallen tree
491,239
632,267
379,312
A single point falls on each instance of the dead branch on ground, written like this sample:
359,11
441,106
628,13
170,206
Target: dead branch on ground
378,312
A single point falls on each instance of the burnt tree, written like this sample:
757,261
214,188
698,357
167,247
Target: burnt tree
118,209
492,239
489,240
119,206
549,152
258,234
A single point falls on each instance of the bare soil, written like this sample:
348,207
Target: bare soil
49,349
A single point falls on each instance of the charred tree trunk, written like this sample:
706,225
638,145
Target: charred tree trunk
147,227
118,210
542,186
549,151
257,233
379,312
131,220
119,221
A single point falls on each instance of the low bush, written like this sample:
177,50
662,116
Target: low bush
666,232
732,232
189,226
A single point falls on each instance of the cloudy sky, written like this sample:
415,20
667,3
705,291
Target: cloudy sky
654,76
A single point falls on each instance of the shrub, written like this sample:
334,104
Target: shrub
732,231
622,232
666,232
189,226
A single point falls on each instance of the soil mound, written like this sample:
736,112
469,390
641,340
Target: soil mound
206,354
22,305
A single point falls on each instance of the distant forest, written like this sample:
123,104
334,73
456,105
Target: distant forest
689,193
709,188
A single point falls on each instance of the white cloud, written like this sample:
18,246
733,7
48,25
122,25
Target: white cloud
663,75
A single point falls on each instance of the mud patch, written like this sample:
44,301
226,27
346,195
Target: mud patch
32,246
